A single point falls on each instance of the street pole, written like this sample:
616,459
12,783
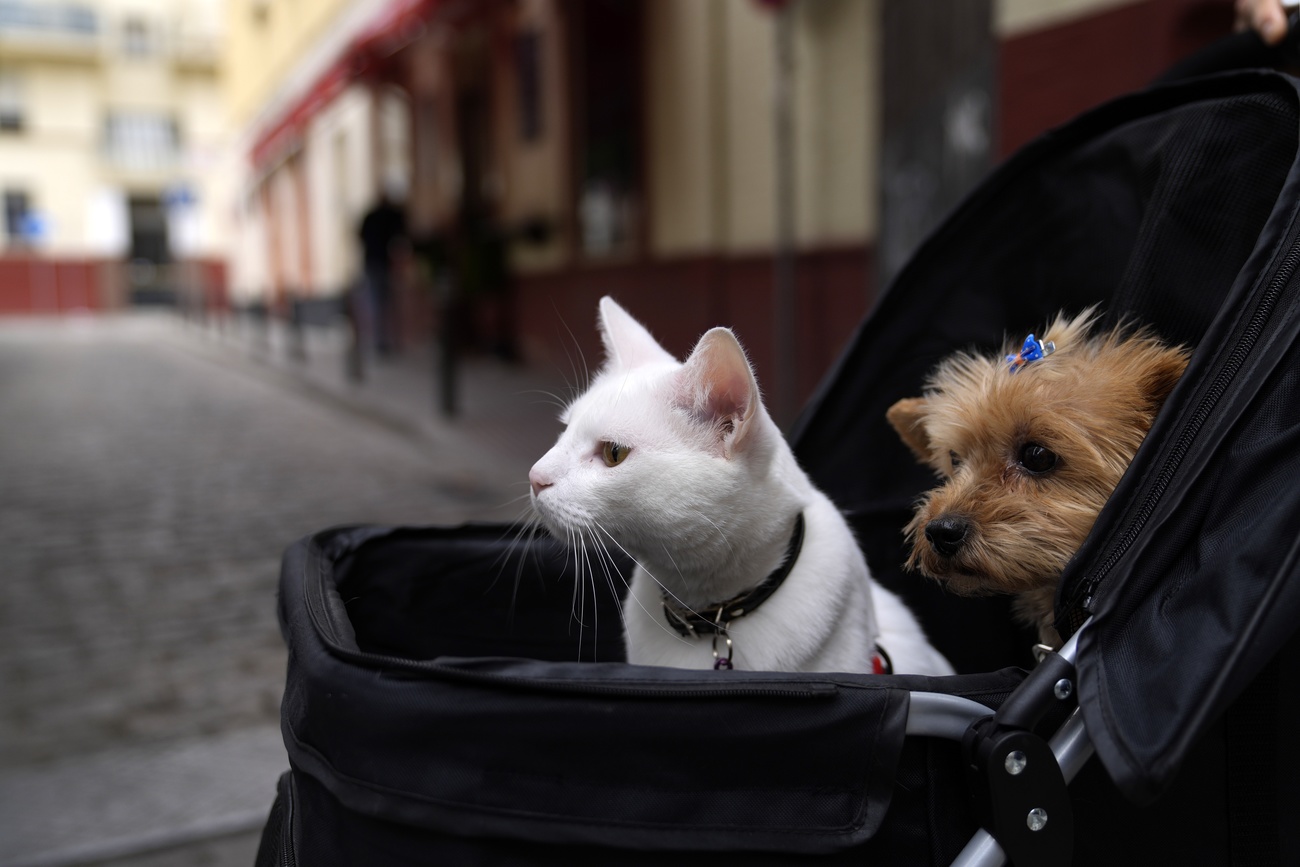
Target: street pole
447,396
784,303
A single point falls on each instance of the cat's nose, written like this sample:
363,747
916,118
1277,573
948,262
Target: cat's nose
947,533
538,480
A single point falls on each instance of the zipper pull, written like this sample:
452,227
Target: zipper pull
1089,590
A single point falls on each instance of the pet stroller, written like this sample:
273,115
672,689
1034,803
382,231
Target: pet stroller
443,706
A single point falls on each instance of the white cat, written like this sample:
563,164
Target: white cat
680,466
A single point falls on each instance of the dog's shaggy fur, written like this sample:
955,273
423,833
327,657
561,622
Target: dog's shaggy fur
1029,459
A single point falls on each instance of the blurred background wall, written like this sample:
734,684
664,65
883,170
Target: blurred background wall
763,164
112,140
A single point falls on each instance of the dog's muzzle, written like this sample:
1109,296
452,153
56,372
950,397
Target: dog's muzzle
946,534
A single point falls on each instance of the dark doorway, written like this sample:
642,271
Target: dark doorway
607,85
146,272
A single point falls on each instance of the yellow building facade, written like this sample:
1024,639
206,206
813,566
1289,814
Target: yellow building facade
112,139
670,152
638,135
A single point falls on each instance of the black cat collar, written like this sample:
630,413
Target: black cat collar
713,620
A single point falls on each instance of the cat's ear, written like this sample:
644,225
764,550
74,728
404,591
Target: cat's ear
627,343
717,385
908,418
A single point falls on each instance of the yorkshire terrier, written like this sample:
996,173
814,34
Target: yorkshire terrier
1029,445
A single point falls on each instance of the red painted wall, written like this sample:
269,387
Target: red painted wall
39,285
1048,76
1045,78
679,299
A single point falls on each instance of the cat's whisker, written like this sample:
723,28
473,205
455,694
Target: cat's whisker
591,572
581,565
527,524
632,596
582,579
549,397
676,568
515,530
715,526
532,526
575,542
581,376
607,566
526,514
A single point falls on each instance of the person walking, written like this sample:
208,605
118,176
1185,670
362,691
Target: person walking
382,232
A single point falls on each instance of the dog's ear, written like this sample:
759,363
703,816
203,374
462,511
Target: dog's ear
1161,373
908,418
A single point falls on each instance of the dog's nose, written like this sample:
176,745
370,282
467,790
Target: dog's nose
947,533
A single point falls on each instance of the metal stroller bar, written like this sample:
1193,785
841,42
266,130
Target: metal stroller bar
934,714
1071,748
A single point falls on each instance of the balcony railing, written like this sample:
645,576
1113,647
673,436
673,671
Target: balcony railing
65,18
66,29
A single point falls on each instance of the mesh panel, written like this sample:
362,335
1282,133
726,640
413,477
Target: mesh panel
1152,214
1192,592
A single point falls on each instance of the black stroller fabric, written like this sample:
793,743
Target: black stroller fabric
1176,208
456,696
397,722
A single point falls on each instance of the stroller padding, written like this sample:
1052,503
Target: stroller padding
538,750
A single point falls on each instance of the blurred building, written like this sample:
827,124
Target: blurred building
110,142
685,155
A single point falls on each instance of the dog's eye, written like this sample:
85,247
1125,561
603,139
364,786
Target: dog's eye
1037,459
956,461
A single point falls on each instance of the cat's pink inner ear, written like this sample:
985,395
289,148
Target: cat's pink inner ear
627,342
720,385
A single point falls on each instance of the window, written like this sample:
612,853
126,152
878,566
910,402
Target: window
137,40
140,140
11,102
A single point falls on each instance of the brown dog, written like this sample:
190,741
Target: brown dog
1030,447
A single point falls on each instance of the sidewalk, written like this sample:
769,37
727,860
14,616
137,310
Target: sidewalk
506,414
147,578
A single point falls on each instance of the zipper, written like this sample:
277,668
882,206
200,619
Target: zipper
412,669
1227,373
288,856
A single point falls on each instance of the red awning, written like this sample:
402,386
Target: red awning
395,27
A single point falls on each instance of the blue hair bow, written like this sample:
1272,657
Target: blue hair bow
1033,350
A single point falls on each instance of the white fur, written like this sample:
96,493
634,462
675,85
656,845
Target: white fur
705,502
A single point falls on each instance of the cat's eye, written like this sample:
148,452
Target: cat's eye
613,453
1037,459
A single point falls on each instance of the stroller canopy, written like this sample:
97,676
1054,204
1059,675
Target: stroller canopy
1175,208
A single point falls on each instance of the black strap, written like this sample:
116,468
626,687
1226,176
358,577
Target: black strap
714,618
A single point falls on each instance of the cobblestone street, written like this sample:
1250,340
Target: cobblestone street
151,477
